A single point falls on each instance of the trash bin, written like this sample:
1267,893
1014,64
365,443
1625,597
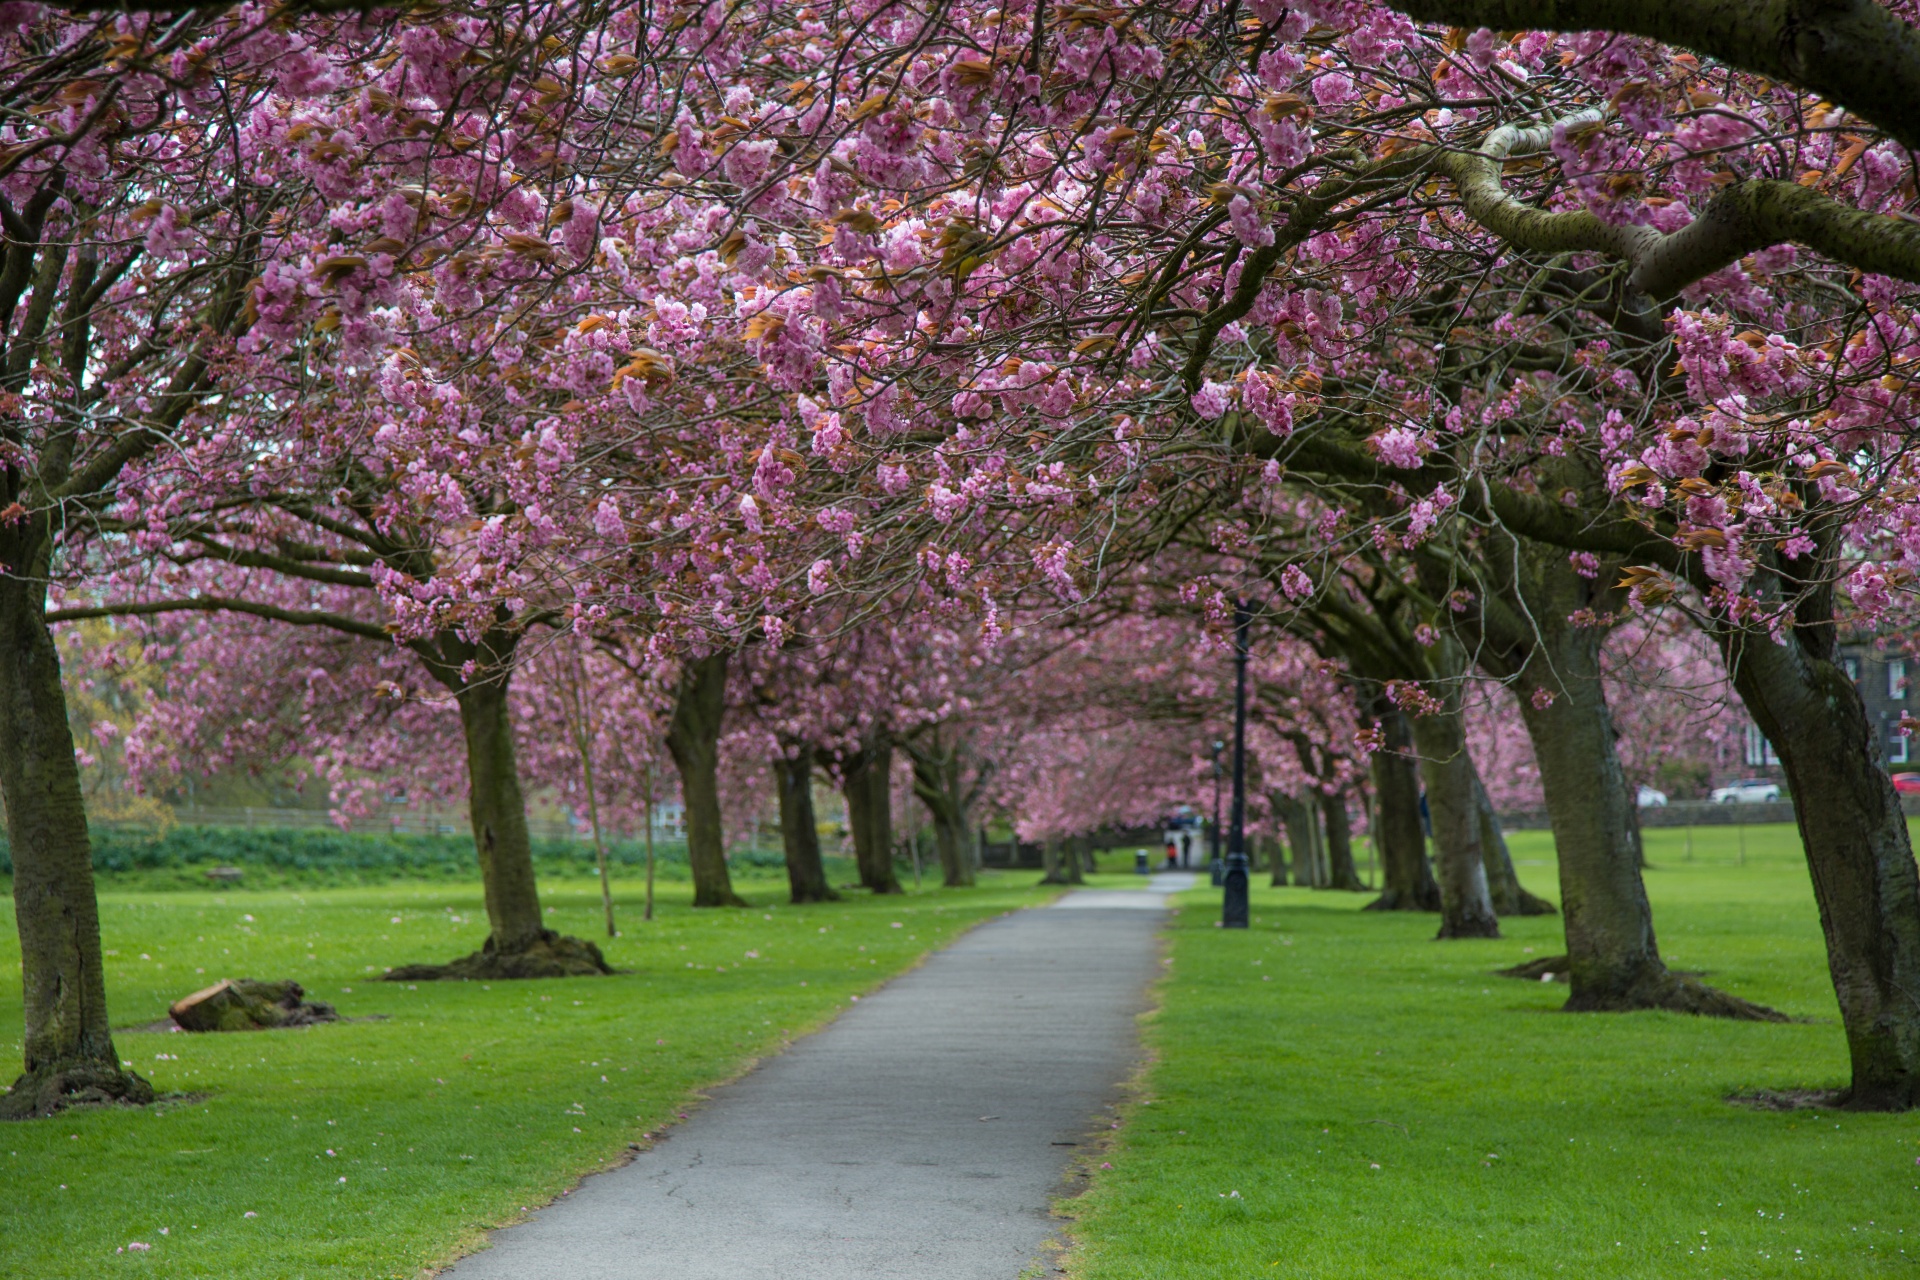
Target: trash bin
1140,862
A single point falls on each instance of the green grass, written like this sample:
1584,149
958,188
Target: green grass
1384,1107
374,1148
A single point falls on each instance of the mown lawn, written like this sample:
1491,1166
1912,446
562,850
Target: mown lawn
375,1147
1334,1095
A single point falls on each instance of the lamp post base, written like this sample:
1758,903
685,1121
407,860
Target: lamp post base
1234,907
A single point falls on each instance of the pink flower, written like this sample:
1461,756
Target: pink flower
1212,400
819,577
1296,583
1584,563
1401,447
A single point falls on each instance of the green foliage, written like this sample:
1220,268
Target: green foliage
326,856
1384,1107
376,1148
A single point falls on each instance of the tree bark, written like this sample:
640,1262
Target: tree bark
1341,873
1059,863
867,784
69,1052
799,832
693,738
1527,634
937,782
1407,882
1857,847
1510,897
499,815
1303,835
519,945
1466,905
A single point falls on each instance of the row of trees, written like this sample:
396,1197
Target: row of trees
829,343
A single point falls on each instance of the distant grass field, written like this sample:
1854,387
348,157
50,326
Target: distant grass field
1334,1095
374,1148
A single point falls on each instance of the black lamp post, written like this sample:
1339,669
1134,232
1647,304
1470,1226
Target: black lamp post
1233,911
1215,866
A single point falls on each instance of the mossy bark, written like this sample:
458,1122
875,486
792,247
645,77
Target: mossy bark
1537,629
693,738
938,782
799,830
1466,904
498,811
1858,851
1302,819
69,1054
1407,882
1510,897
1338,824
867,779
518,945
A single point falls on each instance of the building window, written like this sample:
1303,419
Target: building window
1897,747
1897,679
1852,666
1759,750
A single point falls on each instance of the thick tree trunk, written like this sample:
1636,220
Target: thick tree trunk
1510,897
1407,882
868,787
799,832
1303,835
519,945
1528,636
1060,864
1341,873
1858,852
937,782
499,814
693,737
69,1051
1466,906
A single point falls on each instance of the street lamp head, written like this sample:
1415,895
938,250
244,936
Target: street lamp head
1218,746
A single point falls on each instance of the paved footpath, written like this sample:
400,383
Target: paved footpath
920,1136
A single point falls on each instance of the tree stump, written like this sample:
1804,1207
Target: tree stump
242,1004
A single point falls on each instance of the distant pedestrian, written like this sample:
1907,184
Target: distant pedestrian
1186,848
1173,855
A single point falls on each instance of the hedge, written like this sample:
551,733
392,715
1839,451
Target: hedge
323,850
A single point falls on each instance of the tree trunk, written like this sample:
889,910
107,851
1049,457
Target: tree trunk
937,782
519,945
69,1051
499,815
1303,836
1527,635
1407,882
799,832
1059,863
1857,847
868,787
1341,873
1510,897
693,737
1466,906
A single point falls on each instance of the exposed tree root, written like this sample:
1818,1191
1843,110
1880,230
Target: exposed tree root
1662,989
704,896
1895,1099
549,956
52,1090
1530,905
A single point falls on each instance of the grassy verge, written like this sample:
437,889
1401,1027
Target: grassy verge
373,1148
1335,1095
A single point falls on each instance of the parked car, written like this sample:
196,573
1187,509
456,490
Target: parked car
1746,791
1907,784
1650,797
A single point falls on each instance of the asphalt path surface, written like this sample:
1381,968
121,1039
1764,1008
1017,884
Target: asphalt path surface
921,1136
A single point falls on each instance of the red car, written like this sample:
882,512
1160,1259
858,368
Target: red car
1907,784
